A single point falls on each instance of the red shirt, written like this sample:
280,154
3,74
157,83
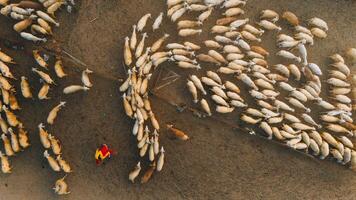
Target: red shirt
105,150
102,153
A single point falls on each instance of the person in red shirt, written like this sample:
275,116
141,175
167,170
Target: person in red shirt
102,153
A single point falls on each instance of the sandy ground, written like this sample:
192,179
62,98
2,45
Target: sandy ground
217,163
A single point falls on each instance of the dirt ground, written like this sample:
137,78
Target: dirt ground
217,163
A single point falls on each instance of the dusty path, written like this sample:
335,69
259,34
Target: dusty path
217,163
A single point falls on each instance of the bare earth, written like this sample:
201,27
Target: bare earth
217,163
